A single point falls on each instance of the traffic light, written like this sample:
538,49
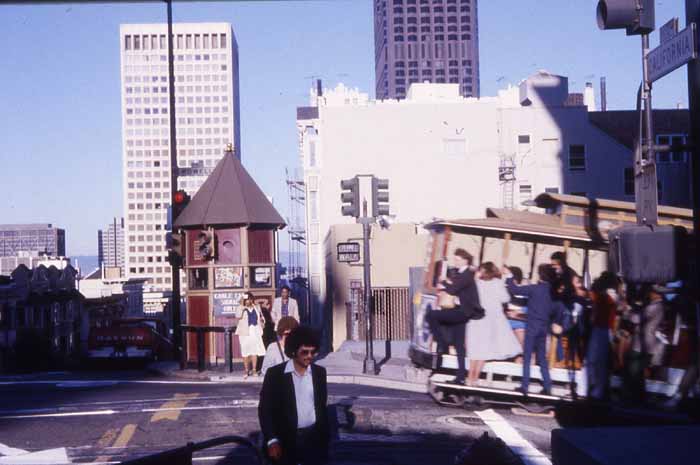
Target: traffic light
647,254
175,246
636,16
180,201
350,197
207,244
380,197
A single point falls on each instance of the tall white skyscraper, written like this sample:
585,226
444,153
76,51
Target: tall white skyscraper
207,118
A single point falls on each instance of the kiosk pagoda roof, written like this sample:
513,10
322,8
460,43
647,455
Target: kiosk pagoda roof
228,197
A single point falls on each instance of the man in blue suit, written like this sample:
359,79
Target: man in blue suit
541,311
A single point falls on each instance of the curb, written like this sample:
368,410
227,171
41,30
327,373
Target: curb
361,380
365,380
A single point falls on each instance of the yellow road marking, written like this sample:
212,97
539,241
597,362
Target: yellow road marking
108,437
172,407
122,439
125,436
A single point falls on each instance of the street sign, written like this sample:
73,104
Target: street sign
669,30
674,53
348,252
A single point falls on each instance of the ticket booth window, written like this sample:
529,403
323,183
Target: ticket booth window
198,278
260,276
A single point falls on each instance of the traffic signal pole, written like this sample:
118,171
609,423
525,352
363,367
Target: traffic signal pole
175,297
647,197
369,365
350,200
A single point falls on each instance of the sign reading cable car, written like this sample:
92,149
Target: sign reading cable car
348,252
673,53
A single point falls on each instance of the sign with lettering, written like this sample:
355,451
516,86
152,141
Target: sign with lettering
673,53
669,30
226,303
348,252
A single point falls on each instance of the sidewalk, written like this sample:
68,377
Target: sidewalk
344,367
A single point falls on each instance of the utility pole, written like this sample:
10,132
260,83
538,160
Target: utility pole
175,296
692,15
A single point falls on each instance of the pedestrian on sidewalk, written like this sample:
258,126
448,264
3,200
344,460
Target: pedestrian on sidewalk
293,409
250,334
449,326
284,305
275,351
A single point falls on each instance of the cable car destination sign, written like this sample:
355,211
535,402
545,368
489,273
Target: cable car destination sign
675,50
348,252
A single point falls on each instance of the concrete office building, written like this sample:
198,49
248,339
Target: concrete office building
207,118
41,238
425,41
450,157
110,245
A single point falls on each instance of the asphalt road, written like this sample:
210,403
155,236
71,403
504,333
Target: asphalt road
111,417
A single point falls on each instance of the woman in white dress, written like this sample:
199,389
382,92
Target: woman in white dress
490,338
250,331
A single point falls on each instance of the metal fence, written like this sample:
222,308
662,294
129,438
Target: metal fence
392,306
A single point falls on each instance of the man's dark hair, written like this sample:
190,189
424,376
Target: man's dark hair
301,336
517,273
546,273
606,280
286,287
465,255
559,256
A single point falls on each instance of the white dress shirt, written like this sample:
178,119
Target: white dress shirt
304,393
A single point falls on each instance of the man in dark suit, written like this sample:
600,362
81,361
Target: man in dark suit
449,326
542,310
293,404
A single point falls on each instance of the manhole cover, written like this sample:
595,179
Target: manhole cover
471,421
461,421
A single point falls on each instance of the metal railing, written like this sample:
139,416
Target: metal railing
183,455
200,342
392,314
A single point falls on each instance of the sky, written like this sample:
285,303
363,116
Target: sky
60,115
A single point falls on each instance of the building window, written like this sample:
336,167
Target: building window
525,192
127,42
629,181
577,157
671,157
551,190
523,144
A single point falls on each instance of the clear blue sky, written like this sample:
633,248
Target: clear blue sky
60,135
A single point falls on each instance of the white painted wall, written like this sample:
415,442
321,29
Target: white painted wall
441,153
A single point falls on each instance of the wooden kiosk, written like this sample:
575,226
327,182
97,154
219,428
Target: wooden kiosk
228,233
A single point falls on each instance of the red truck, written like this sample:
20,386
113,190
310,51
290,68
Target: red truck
132,338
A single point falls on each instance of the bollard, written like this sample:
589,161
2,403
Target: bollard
200,349
183,349
228,343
